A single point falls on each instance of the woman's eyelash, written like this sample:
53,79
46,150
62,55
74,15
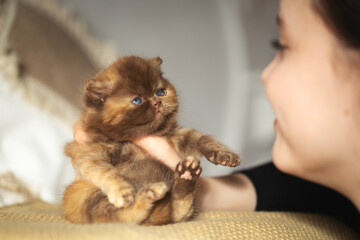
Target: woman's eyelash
276,44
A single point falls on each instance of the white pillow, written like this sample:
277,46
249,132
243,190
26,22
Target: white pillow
31,147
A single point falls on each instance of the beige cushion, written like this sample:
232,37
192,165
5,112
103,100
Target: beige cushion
39,220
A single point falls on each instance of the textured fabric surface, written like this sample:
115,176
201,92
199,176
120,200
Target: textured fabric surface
39,220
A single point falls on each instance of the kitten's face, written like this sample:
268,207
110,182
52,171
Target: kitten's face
130,98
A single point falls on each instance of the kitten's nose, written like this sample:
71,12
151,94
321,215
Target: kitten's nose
156,103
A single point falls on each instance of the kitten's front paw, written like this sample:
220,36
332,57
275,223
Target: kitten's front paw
224,158
122,197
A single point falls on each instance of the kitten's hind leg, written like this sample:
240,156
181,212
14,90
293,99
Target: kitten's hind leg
187,173
144,202
85,203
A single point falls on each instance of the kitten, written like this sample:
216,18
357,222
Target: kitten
123,183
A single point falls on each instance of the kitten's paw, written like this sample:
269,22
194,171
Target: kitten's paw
225,158
122,197
155,191
188,169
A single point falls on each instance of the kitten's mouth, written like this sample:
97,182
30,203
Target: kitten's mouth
158,112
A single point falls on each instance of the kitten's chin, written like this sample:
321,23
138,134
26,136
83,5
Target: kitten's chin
161,123
158,116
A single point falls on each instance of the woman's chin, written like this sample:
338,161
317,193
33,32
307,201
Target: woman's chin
283,157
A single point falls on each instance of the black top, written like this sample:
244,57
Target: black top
277,191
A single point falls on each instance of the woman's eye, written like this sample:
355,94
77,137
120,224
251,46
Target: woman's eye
276,44
161,92
136,101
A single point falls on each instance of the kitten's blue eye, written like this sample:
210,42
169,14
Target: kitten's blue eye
161,92
136,101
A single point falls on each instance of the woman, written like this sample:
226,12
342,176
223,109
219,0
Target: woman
313,85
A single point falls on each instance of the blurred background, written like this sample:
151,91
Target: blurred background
213,51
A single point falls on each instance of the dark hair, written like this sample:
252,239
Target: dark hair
343,18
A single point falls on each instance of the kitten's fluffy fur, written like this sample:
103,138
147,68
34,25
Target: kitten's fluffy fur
123,183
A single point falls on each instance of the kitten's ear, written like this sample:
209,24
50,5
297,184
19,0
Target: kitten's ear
97,90
156,61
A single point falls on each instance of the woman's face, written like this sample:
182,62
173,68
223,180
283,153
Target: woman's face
315,94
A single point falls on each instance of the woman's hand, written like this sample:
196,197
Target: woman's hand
157,147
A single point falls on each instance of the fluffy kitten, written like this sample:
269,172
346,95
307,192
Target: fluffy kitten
123,183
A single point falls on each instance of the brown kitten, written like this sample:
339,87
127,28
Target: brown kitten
123,183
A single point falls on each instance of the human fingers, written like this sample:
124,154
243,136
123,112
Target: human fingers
78,177
80,136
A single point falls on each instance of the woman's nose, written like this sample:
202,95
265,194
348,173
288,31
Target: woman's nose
267,71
